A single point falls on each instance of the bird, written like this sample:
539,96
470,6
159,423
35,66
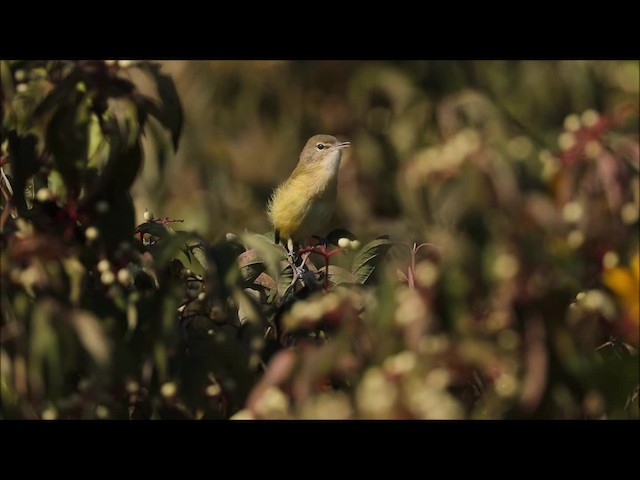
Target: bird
304,203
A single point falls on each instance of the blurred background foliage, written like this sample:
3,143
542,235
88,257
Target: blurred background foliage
506,285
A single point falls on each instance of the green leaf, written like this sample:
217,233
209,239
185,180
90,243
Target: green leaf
166,248
92,336
199,252
270,253
284,279
7,89
368,258
170,115
45,360
126,118
76,272
224,256
338,275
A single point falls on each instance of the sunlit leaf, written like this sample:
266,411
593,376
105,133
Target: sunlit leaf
91,335
75,271
45,363
198,251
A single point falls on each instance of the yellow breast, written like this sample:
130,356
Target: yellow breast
304,204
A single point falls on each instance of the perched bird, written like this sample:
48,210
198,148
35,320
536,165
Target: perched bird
303,204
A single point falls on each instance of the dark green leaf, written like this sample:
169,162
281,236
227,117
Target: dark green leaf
153,128
60,93
24,163
118,87
156,229
166,248
368,258
68,139
123,164
176,267
118,223
146,106
170,115
161,144
223,256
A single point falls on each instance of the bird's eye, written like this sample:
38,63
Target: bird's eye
320,146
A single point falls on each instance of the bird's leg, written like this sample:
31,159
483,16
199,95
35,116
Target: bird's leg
297,271
293,257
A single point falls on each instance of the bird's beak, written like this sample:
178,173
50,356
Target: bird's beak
343,144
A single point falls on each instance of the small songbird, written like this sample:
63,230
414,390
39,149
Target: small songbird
303,204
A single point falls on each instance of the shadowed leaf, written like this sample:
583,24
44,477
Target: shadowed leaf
24,163
368,258
60,92
337,234
251,266
170,114
68,138
156,229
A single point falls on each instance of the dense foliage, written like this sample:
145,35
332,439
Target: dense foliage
484,261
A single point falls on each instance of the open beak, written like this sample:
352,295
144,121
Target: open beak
343,144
